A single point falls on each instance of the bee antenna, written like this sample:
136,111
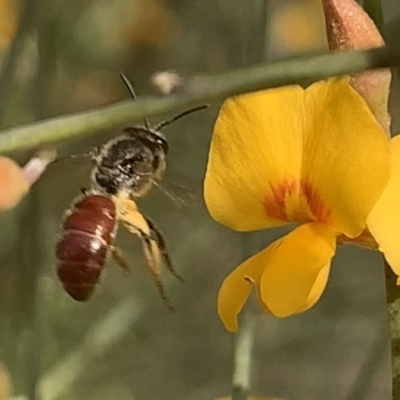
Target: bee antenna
167,122
132,92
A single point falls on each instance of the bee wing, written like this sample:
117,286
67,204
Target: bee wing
75,167
181,193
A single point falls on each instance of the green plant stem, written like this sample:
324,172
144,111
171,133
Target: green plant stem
59,380
31,262
196,90
242,358
374,10
393,302
244,339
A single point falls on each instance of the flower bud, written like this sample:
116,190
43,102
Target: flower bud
349,27
38,164
16,181
13,185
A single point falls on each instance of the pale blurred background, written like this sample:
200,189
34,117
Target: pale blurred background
123,344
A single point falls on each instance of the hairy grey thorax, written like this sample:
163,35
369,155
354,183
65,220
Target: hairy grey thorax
132,162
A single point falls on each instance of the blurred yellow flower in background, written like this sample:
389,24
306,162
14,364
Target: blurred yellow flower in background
8,22
297,26
317,157
5,383
152,24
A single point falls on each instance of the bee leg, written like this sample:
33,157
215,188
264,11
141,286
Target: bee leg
153,259
119,258
154,272
162,245
136,224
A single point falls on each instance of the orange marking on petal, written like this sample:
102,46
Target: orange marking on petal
275,202
318,209
293,201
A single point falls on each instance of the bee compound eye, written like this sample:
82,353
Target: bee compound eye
164,145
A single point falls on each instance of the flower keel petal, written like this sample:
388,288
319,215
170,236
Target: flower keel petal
317,290
293,279
237,287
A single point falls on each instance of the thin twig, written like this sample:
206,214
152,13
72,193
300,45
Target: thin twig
102,335
244,339
197,90
31,262
242,358
34,246
374,10
393,302
31,256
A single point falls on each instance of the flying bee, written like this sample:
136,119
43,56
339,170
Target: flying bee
125,169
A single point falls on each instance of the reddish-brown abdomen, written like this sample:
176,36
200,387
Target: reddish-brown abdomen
83,248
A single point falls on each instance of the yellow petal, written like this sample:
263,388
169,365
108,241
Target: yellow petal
384,220
237,287
255,153
293,278
346,160
317,290
292,155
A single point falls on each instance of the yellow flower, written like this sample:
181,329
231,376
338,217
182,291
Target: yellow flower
315,156
383,223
